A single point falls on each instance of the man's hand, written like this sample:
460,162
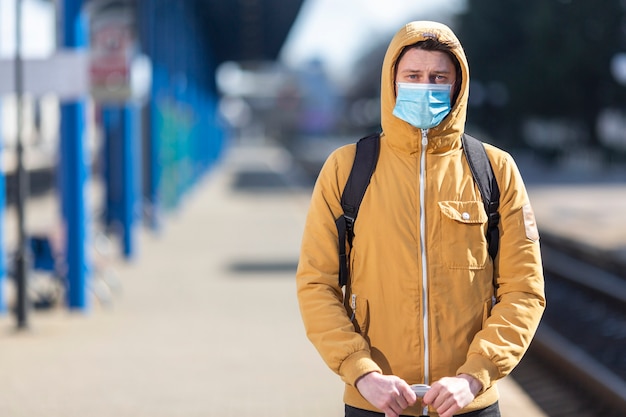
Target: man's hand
388,393
449,395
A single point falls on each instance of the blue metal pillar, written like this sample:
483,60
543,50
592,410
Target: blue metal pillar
132,177
123,168
154,40
111,170
74,172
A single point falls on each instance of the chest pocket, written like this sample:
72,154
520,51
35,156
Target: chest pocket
463,244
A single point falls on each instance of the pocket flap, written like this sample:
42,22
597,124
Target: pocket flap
464,211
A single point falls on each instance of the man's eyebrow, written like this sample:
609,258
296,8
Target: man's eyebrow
409,70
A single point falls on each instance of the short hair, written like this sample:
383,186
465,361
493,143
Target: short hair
431,44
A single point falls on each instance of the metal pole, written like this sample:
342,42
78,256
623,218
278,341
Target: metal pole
74,170
3,266
22,255
131,171
120,125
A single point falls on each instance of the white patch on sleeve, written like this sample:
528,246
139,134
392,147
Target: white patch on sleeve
529,223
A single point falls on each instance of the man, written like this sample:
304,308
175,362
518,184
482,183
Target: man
425,303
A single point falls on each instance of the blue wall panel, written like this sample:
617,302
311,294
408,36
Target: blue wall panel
185,139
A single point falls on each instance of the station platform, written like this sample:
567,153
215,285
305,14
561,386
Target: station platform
206,321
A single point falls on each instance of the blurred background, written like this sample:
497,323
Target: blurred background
547,77
113,114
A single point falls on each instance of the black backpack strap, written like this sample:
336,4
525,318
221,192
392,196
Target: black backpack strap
485,179
367,150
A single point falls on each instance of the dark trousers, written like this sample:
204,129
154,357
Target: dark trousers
491,411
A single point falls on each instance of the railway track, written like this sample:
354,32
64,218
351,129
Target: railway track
577,363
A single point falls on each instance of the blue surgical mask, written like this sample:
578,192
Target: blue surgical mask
422,105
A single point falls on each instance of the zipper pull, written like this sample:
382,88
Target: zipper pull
424,137
353,306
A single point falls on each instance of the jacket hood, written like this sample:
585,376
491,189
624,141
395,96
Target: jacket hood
400,134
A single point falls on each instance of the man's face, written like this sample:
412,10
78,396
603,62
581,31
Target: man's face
426,67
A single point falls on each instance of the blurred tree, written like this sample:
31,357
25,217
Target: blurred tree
541,59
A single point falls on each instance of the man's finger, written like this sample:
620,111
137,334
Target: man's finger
402,403
448,407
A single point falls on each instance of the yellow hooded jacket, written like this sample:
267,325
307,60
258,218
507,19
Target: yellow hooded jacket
425,300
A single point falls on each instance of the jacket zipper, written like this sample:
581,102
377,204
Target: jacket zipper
423,254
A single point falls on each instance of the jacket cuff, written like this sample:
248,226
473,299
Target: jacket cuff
357,365
482,369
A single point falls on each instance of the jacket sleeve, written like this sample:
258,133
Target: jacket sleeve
519,285
320,298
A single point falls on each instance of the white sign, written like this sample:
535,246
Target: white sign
65,74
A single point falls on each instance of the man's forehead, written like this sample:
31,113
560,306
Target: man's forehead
420,58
